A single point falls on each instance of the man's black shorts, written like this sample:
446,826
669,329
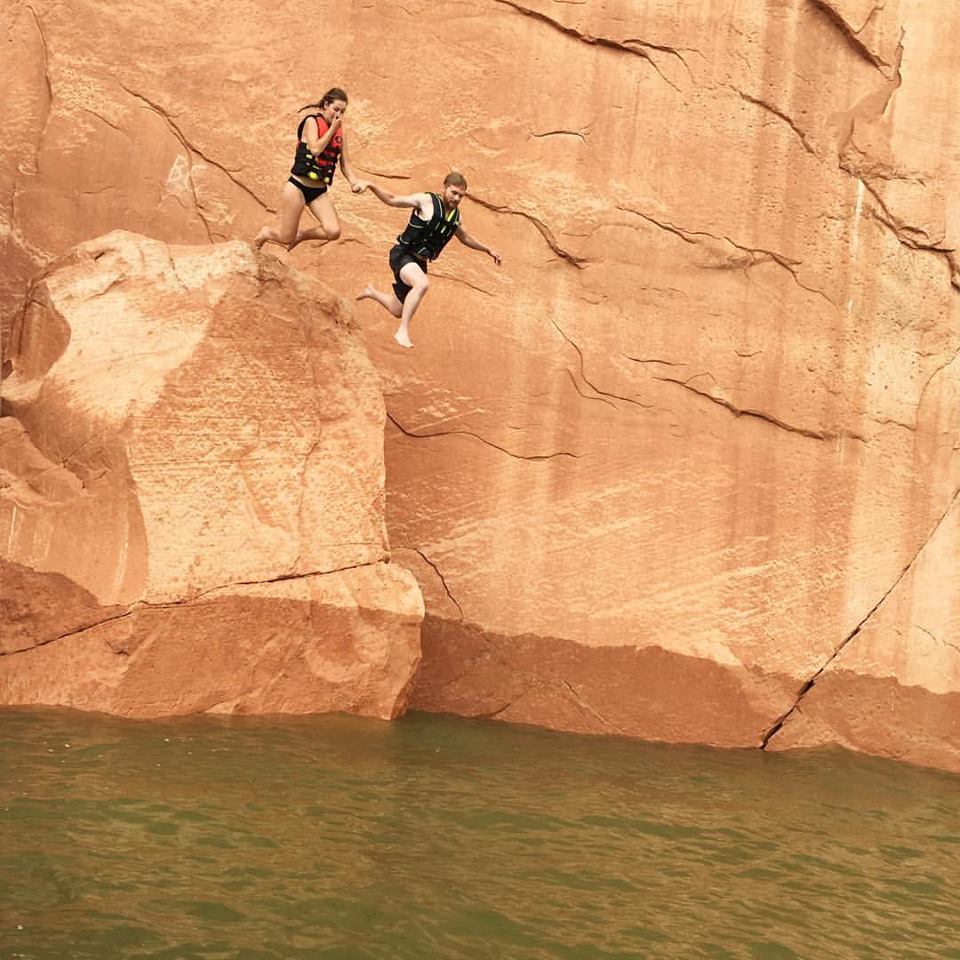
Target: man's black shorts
399,258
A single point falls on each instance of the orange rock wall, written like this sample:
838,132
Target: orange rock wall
191,493
695,445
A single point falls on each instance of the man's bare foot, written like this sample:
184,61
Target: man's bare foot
403,338
261,238
366,293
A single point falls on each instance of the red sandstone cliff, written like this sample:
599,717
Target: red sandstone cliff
696,444
191,493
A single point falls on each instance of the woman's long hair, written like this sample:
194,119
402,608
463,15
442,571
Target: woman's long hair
334,93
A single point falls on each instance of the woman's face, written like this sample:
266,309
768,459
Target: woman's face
334,110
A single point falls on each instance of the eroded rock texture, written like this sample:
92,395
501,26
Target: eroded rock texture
191,493
696,444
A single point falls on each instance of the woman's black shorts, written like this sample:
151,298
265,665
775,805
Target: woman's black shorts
309,193
399,258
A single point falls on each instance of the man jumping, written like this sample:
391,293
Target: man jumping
434,220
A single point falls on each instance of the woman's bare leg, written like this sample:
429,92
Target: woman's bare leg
322,208
291,207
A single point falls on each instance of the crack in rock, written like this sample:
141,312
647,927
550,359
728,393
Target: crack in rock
190,601
852,36
436,570
476,436
383,176
634,47
586,396
583,375
936,639
906,234
926,386
493,713
777,112
190,147
544,231
44,122
665,363
589,709
756,254
460,280
104,120
560,133
760,415
48,108
809,684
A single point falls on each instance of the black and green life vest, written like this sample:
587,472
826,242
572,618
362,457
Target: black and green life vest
427,238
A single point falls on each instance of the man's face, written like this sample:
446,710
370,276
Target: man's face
452,195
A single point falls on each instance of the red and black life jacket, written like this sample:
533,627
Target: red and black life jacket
317,168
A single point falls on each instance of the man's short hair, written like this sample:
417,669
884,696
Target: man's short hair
455,179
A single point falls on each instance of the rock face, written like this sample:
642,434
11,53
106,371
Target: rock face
191,493
687,467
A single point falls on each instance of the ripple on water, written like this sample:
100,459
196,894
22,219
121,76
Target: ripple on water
432,838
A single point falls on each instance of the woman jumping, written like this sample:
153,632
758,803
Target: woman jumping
320,146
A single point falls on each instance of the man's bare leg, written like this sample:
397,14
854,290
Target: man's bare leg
416,279
388,301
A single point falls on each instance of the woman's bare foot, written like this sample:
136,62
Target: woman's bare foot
261,238
403,338
366,293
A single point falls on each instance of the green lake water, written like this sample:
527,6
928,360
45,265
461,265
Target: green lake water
335,837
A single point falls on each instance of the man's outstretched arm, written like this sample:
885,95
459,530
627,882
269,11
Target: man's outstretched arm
416,200
475,244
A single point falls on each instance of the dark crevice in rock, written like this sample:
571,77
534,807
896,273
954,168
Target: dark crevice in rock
777,112
544,231
586,396
66,636
255,583
476,436
462,282
852,36
756,255
760,415
666,363
935,638
104,120
634,47
190,601
191,148
583,375
809,684
44,122
851,163
930,379
379,173
436,570
560,133
892,422
493,713
580,702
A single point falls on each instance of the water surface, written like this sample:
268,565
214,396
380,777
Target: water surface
335,837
